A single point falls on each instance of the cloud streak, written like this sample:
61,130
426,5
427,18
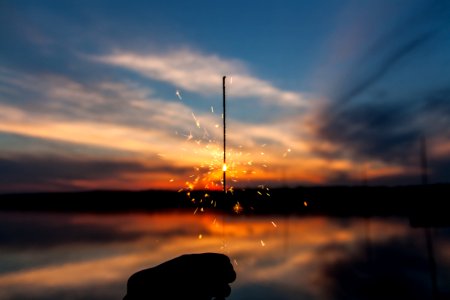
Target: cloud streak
376,122
387,64
51,170
128,119
201,74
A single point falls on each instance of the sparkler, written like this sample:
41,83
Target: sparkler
231,164
224,168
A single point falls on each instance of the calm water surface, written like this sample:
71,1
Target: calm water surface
88,256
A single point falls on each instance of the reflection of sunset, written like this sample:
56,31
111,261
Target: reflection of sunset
261,248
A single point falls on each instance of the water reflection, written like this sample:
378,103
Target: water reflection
84,256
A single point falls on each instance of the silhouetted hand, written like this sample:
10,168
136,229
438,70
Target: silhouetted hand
190,276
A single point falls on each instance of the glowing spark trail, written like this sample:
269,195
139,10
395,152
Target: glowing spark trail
197,122
178,94
211,173
237,208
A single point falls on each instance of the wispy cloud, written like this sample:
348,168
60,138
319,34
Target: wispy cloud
125,118
201,73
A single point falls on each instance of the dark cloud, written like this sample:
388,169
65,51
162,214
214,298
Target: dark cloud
436,106
16,143
22,170
387,129
370,120
374,131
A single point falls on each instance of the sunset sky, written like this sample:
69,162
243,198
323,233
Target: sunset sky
128,94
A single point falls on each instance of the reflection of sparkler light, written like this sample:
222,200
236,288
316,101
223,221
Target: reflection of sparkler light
237,208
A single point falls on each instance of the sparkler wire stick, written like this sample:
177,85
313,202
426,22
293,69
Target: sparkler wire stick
224,168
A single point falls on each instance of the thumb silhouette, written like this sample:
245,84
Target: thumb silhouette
191,276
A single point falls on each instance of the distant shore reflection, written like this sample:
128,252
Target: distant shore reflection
90,256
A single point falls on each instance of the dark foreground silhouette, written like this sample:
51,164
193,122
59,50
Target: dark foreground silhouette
425,205
191,276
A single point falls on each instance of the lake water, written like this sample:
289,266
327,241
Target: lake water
90,256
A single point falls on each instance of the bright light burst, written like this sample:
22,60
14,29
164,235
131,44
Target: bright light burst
207,175
237,208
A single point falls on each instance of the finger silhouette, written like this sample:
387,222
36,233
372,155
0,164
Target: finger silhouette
190,276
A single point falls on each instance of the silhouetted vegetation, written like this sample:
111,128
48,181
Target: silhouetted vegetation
423,204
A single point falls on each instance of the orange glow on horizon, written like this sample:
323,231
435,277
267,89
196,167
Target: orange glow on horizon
249,164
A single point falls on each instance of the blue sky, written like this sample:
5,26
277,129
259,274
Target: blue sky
319,92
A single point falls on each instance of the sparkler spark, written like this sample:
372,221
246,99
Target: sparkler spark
287,151
237,208
190,136
178,95
197,122
213,171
